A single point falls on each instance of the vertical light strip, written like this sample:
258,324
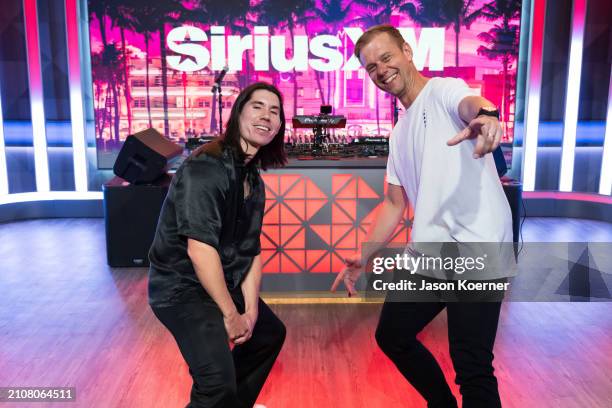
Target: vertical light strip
605,177
534,85
3,172
572,96
39,133
79,146
337,88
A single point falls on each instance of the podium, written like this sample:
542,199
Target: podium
130,219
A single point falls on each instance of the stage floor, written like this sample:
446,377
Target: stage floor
68,320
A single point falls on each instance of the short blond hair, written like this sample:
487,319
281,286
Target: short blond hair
372,32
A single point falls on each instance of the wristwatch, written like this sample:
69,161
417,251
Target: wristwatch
488,111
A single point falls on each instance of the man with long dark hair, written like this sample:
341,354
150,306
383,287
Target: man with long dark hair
439,164
205,270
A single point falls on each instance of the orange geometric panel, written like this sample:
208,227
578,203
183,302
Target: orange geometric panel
287,182
371,217
298,207
323,266
313,256
348,190
298,259
272,184
323,231
272,212
339,216
361,235
339,181
266,243
297,190
337,263
288,217
349,207
339,232
349,241
365,191
272,232
292,236
313,206
313,191
270,261
289,265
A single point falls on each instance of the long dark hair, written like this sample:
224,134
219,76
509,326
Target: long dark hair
271,155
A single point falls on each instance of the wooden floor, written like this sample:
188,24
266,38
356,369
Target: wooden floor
67,319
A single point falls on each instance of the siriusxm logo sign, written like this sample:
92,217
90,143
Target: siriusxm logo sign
321,53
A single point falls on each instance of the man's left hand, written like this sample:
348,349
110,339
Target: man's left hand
486,130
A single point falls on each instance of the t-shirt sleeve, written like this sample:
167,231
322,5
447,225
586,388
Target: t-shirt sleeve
200,195
392,177
453,92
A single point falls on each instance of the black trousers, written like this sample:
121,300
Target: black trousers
471,333
222,377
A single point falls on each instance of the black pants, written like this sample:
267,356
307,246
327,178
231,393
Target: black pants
222,377
471,333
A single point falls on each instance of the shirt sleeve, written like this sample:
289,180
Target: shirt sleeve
391,173
453,92
261,216
200,196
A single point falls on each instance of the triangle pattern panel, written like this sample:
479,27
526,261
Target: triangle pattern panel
323,266
297,190
296,260
272,184
287,265
349,241
365,209
292,236
313,206
337,263
270,261
371,216
339,181
349,207
272,233
401,235
339,232
323,216
365,191
339,216
362,234
313,191
323,231
266,243
349,190
287,216
313,256
314,240
287,182
272,214
297,206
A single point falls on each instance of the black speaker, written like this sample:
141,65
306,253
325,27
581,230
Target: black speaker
514,194
130,215
500,161
145,156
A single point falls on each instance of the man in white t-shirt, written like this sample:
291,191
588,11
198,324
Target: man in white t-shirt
439,164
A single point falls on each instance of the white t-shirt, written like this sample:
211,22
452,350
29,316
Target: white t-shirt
455,197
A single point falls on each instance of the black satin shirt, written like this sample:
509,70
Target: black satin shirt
206,202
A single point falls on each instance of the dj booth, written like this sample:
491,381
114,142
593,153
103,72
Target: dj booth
317,211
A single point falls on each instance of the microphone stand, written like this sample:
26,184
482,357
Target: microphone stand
217,89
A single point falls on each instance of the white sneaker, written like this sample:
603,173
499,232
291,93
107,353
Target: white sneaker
259,406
